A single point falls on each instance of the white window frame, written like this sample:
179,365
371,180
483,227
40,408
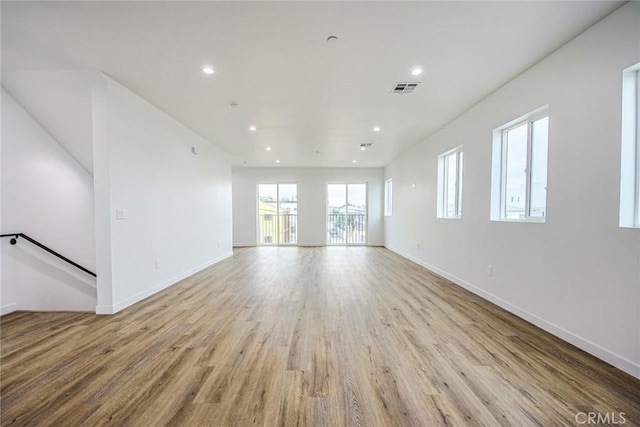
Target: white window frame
630,150
637,181
443,183
388,197
499,168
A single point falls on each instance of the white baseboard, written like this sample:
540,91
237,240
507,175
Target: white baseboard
8,308
306,245
616,360
121,305
104,309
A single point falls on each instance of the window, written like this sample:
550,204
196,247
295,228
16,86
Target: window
630,166
450,184
388,197
519,171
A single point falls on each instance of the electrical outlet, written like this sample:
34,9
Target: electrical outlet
489,270
120,214
157,264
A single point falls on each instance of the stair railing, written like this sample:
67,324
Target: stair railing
14,240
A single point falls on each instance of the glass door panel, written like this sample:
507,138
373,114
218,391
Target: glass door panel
277,214
356,214
336,214
267,214
346,214
288,214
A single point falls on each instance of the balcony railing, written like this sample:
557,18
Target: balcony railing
346,229
278,229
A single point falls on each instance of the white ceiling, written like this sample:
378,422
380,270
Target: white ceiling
302,93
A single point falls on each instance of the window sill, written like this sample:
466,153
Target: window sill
636,226
524,220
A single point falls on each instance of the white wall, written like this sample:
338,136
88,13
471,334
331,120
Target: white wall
60,101
177,205
312,200
47,195
578,274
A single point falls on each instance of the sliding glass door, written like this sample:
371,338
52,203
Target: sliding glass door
347,214
277,214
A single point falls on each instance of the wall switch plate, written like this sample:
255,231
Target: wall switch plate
157,264
120,214
489,270
413,185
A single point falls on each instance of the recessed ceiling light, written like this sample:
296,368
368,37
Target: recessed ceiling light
277,161
268,148
376,129
354,161
252,128
416,71
363,147
207,69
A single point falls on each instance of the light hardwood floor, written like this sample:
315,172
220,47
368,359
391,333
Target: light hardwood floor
302,336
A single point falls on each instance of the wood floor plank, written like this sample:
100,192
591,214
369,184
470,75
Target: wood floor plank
290,336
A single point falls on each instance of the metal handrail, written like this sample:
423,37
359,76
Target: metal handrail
14,240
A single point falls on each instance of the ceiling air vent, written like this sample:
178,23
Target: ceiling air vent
404,87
